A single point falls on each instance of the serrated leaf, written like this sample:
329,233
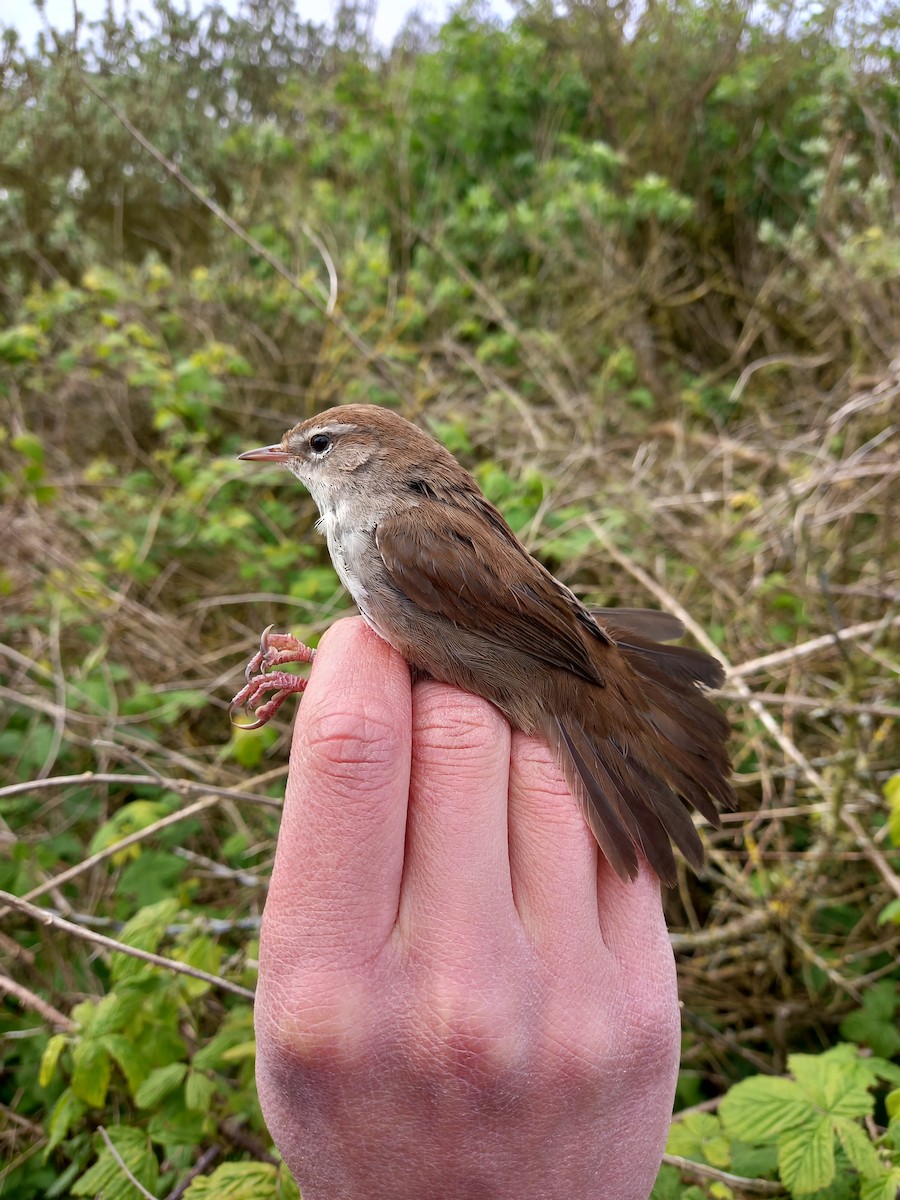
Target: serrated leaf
147,926
199,1091
130,818
91,1071
241,1052
806,1157
892,796
116,1011
106,1177
819,1079
762,1108
235,1181
875,1024
205,954
129,1058
699,1137
66,1112
237,1028
159,1084
887,1187
882,1069
83,1015
144,931
858,1148
286,1185
50,1058
177,1125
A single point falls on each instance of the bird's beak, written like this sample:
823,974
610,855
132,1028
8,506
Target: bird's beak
270,454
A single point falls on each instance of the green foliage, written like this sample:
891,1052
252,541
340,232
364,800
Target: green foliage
812,1132
875,1024
636,266
815,1119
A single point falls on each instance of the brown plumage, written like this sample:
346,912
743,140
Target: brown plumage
438,573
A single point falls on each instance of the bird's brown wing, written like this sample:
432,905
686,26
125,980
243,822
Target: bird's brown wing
636,757
437,556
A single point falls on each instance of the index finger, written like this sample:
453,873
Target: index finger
336,880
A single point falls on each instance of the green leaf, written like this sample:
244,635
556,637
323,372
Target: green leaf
885,1187
235,1181
159,1084
106,1177
806,1157
203,953
91,1071
699,1137
152,876
858,1148
199,1091
117,1010
66,1112
129,1058
287,1186
144,931
833,1081
177,1125
892,795
236,1029
875,1024
131,818
762,1108
50,1058
882,1070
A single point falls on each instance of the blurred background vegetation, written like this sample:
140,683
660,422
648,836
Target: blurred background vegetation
637,264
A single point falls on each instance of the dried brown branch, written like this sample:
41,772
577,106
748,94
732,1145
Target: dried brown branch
88,935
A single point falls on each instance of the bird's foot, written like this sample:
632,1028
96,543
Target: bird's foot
275,649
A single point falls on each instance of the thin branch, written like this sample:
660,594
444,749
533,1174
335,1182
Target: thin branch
28,999
717,935
646,580
759,1187
182,786
139,836
852,632
88,935
813,704
200,1167
390,371
872,853
124,1165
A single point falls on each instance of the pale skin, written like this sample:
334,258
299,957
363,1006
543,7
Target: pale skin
458,998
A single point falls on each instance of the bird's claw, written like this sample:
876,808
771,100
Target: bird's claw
275,649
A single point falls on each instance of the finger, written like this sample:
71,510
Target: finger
631,918
457,859
336,879
552,853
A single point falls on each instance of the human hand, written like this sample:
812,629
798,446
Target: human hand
456,998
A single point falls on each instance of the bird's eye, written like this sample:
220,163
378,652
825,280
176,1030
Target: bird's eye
319,443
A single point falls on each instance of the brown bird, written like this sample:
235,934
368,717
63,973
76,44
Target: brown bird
437,572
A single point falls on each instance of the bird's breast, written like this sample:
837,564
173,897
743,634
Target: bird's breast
352,549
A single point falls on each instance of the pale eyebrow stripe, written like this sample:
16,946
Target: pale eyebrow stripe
334,427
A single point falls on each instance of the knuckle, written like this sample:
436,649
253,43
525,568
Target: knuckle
358,745
460,724
471,1039
312,1020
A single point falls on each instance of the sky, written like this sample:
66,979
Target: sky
390,14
